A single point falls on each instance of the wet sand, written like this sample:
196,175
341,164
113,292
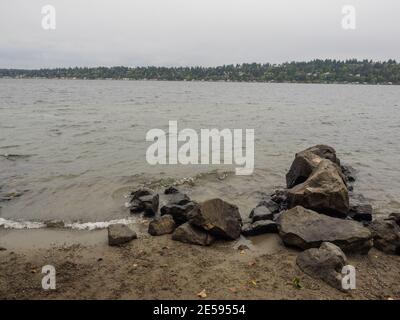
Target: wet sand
160,268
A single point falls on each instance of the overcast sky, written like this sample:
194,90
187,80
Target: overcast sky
194,32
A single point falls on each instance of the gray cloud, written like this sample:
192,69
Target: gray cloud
194,32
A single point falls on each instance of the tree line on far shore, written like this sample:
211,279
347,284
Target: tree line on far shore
316,71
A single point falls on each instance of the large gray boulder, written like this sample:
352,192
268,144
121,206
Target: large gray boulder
386,234
306,161
162,225
306,229
119,234
218,217
325,263
324,191
191,234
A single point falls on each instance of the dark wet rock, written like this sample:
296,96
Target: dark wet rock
162,225
261,213
271,205
306,161
306,229
119,234
218,217
360,209
259,227
386,234
178,212
280,198
188,233
171,190
141,192
146,200
395,216
178,198
325,263
349,172
56,224
136,206
324,191
150,203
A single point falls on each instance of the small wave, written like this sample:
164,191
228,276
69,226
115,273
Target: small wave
99,225
10,224
90,226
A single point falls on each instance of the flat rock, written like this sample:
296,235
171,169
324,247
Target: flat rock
306,229
191,234
260,227
162,225
218,217
261,213
325,263
324,191
386,234
119,234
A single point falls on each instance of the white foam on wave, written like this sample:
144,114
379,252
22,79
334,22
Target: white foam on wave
98,225
10,224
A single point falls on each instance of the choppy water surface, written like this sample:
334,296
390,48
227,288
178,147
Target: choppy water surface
75,148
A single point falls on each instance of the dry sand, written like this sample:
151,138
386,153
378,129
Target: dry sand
160,268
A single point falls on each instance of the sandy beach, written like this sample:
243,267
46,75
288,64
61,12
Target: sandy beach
160,268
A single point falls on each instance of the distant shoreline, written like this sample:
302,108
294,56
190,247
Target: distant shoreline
207,81
314,72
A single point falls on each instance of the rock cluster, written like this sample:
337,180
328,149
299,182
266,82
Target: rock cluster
144,200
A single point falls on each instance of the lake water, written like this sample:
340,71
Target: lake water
75,148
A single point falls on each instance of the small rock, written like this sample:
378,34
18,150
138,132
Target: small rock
171,190
163,225
325,263
260,227
360,209
191,234
395,216
144,200
2,249
242,247
178,212
119,234
279,196
136,206
218,217
270,205
386,234
261,213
